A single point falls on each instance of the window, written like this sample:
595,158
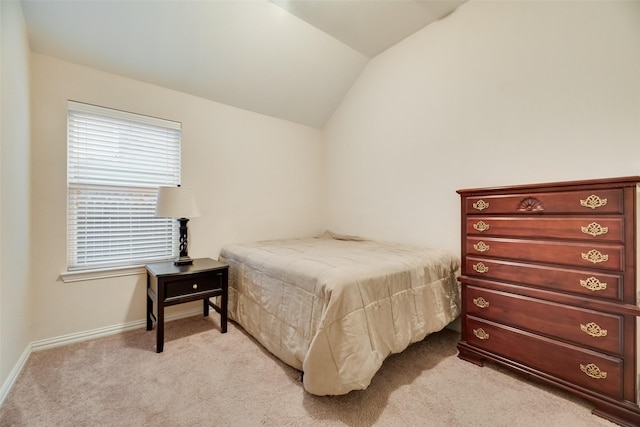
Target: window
115,163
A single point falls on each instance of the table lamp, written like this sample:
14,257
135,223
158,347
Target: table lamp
178,202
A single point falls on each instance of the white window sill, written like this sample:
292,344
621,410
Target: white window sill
105,273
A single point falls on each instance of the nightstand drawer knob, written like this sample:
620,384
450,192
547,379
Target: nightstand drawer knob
195,286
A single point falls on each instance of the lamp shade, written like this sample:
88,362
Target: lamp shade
176,202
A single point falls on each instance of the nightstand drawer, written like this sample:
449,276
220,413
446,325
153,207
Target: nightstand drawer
194,284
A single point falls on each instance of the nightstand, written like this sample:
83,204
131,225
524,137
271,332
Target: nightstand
169,284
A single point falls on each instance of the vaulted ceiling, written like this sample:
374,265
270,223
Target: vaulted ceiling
292,59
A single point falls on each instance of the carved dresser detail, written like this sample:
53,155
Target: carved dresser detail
549,286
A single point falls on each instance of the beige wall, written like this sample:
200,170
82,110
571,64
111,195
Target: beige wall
255,177
15,261
497,93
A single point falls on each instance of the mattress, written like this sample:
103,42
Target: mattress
336,306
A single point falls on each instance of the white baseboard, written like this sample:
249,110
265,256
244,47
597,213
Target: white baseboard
77,337
106,331
13,375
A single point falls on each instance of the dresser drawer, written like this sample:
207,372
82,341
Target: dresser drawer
192,284
580,282
592,228
590,255
589,369
580,202
600,331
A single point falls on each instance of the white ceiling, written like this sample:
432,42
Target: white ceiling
369,26
292,59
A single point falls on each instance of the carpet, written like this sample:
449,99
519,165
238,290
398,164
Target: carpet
205,378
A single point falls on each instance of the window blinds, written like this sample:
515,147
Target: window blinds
115,163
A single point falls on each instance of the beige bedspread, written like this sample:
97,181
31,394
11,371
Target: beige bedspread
335,308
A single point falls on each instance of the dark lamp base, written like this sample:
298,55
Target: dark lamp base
183,261
183,258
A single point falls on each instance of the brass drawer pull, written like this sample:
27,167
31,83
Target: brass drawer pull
593,329
593,371
593,284
595,256
481,334
482,303
480,205
593,202
195,286
481,226
480,268
481,247
594,229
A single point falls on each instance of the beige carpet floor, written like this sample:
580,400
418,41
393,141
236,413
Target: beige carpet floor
205,378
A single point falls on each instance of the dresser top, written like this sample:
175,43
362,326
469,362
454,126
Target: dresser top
627,181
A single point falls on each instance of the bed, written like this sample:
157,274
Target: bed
335,307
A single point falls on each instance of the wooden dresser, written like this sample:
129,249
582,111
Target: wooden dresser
549,286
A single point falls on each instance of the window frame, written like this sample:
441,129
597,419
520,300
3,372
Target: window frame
86,174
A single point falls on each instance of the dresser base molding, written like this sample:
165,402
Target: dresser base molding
626,414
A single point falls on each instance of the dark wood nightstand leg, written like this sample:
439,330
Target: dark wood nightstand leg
205,303
223,309
149,307
160,328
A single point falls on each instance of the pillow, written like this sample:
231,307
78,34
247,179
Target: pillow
337,236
